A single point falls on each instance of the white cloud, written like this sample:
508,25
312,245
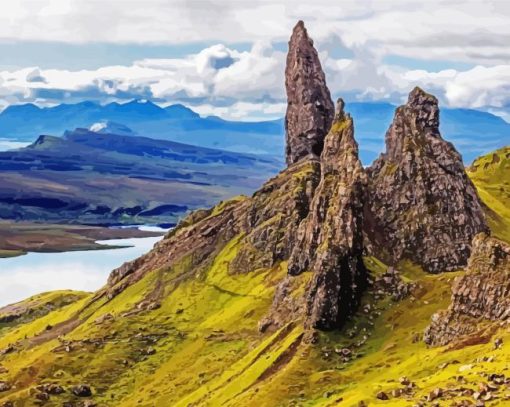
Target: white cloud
217,75
244,110
474,30
480,87
354,39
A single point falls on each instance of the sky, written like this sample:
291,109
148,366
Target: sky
227,57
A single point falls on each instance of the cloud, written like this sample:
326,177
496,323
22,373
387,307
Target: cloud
217,75
355,40
473,30
35,76
250,84
244,110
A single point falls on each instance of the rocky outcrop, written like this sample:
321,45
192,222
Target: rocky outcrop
309,107
197,238
421,204
268,221
273,215
480,295
310,214
391,283
330,239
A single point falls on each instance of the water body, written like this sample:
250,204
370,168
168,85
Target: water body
34,273
6,145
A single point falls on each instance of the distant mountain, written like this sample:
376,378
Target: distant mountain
473,132
176,123
95,178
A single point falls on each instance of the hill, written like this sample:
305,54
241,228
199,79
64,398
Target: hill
175,123
96,178
491,174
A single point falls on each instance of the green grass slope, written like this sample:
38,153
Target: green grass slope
491,176
200,346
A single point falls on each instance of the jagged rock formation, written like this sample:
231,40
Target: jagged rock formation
330,240
481,294
268,221
319,226
309,108
421,204
272,218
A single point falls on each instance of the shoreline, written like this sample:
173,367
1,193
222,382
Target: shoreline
20,238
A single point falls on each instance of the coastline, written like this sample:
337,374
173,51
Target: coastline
20,238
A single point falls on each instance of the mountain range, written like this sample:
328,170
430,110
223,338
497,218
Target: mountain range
333,284
473,132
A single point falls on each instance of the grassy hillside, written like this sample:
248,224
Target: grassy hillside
491,175
198,344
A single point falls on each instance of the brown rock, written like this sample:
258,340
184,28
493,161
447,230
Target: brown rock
4,386
421,206
309,106
382,396
42,396
50,388
391,283
404,381
330,239
81,390
481,293
435,394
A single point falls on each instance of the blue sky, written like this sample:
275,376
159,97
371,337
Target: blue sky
227,57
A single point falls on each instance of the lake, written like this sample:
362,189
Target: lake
34,273
6,145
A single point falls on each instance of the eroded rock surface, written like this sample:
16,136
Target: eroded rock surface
421,204
330,239
309,107
480,295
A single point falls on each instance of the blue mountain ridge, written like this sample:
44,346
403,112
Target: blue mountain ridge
473,132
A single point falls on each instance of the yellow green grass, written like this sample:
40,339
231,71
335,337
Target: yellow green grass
491,176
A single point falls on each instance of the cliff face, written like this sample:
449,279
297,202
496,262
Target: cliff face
481,294
421,204
309,107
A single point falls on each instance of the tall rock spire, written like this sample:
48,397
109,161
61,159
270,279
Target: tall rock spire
330,239
309,106
421,205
